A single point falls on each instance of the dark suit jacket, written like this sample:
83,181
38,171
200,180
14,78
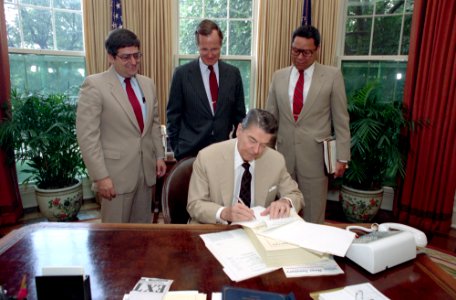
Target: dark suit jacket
190,123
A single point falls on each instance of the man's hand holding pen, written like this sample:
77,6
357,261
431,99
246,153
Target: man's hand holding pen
238,212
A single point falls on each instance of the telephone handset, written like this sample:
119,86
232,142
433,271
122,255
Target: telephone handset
385,245
420,237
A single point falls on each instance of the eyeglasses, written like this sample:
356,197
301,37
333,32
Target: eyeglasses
304,52
127,57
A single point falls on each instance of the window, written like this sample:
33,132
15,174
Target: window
46,49
376,44
235,18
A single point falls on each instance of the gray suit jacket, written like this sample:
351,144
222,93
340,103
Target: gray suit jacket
108,132
325,107
212,181
190,123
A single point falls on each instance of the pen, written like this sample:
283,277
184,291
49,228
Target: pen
242,202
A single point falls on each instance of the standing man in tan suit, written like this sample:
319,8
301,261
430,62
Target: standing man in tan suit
310,104
118,131
217,190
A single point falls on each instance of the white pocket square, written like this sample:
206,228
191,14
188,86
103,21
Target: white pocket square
272,188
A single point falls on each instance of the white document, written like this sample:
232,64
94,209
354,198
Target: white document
320,238
234,250
149,289
357,291
185,295
325,267
266,220
216,296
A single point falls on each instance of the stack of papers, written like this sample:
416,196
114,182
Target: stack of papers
235,252
265,245
357,291
294,230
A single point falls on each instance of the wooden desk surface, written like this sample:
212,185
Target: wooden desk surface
117,255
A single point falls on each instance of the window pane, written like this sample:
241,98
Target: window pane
223,24
240,9
216,9
12,26
357,36
190,8
386,35
47,73
389,7
409,6
37,28
240,31
187,43
68,27
244,67
406,34
68,4
390,74
360,7
45,3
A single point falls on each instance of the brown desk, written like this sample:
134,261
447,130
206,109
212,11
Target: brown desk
117,255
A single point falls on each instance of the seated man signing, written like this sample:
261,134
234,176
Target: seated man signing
230,177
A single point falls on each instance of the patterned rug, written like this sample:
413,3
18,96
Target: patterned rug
446,261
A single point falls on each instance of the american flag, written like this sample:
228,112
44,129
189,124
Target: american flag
306,15
116,17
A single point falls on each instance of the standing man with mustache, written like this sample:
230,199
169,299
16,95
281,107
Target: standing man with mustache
309,101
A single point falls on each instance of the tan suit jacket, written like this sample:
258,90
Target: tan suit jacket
325,106
108,132
212,181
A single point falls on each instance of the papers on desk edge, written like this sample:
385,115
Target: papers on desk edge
350,292
241,259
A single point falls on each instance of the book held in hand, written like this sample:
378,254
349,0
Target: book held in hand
329,148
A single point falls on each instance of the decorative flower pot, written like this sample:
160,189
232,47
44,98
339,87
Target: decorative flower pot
60,204
360,206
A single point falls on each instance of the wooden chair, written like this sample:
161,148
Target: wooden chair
175,191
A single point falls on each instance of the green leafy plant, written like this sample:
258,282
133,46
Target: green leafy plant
378,151
41,132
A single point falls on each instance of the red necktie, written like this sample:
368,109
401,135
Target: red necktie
213,86
135,104
298,97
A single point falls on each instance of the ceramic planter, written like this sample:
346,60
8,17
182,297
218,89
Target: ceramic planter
360,206
60,204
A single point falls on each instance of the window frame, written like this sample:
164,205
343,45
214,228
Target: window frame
341,57
53,11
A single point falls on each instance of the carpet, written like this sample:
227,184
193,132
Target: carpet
445,261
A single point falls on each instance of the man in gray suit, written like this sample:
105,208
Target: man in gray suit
216,187
206,99
118,131
310,104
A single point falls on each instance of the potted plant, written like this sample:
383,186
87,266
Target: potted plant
41,131
377,154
